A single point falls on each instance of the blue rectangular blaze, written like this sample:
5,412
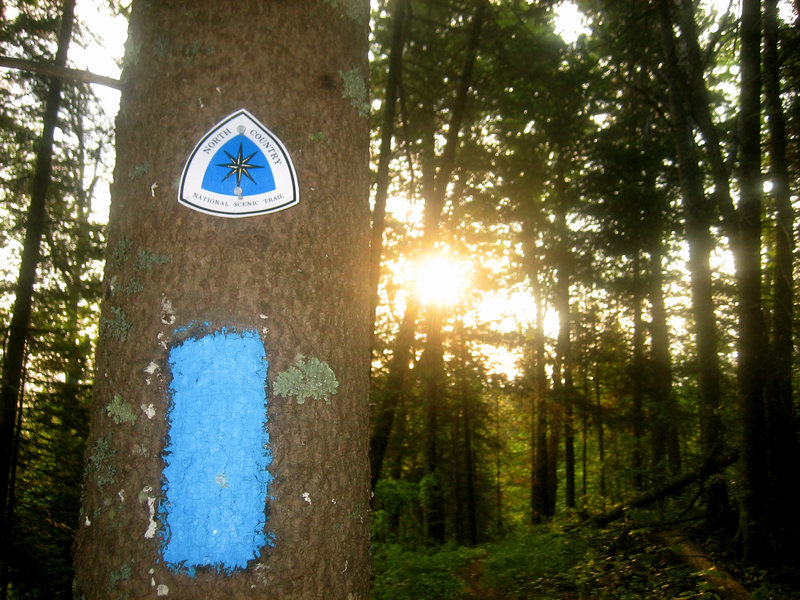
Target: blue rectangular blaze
216,478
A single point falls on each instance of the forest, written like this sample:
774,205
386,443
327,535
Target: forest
584,375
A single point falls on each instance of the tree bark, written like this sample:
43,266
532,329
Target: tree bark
290,288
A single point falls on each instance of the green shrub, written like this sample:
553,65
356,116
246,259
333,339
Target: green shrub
435,574
523,565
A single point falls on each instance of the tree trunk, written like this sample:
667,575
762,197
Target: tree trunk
385,155
637,383
14,356
433,357
397,383
752,333
539,412
665,412
562,372
228,455
699,213
783,453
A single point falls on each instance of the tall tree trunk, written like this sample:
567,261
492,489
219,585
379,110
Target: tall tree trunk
752,332
466,398
398,11
665,411
637,383
397,383
539,411
14,357
783,453
699,214
228,455
433,361
562,372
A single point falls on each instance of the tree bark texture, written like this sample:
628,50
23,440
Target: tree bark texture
297,280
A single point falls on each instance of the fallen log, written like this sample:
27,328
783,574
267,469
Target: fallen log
672,486
723,582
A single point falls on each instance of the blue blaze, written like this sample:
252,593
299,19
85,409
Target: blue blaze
222,179
216,478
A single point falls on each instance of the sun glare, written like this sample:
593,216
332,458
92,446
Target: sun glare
441,280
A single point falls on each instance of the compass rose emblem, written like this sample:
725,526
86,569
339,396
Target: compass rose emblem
240,166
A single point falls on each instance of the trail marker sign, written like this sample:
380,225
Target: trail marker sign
239,169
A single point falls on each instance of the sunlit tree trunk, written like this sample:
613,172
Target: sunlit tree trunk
432,359
256,328
398,16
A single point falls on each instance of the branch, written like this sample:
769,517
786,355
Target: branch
52,70
699,473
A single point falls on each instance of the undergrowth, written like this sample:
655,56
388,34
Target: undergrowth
552,562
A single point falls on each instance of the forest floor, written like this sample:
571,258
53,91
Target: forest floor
547,563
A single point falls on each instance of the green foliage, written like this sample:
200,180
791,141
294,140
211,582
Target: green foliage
399,574
525,565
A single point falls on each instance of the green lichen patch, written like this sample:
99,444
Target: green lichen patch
139,170
355,88
358,10
117,327
310,378
121,574
121,411
121,252
319,136
146,260
99,462
134,287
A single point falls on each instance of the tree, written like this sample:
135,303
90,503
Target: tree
14,355
205,308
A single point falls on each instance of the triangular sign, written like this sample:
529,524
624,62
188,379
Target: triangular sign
239,169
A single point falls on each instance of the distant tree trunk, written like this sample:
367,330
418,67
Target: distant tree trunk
397,383
466,398
433,360
666,442
699,214
539,412
14,357
783,452
754,487
398,11
562,371
228,455
637,374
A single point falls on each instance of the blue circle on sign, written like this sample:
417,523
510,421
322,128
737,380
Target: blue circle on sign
239,164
